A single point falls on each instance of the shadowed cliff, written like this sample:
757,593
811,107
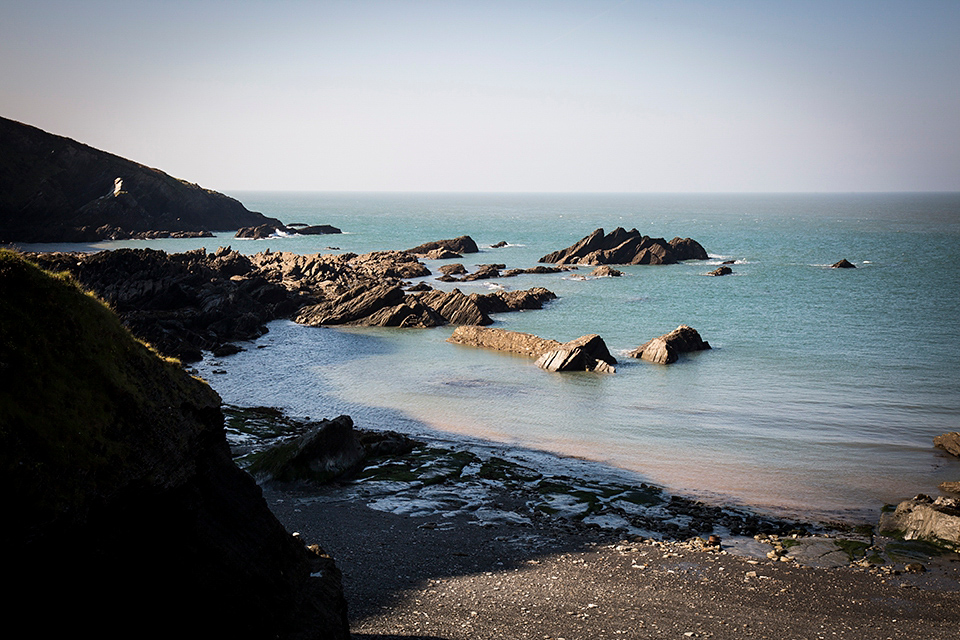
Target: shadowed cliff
123,509
54,189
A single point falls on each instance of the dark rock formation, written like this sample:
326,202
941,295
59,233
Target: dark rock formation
949,442
505,301
627,247
843,264
454,269
667,348
54,189
454,307
330,449
484,272
605,271
261,231
318,230
122,504
499,245
461,245
180,303
924,518
588,353
721,271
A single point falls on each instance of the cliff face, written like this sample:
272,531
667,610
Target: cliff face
54,189
123,509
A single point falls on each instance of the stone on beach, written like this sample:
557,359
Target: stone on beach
924,518
667,348
949,442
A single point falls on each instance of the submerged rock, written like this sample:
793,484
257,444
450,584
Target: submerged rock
721,271
667,348
318,229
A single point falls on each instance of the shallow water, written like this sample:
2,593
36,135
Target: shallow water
821,395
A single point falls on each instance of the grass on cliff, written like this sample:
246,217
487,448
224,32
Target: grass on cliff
79,395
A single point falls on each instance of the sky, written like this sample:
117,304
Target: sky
559,96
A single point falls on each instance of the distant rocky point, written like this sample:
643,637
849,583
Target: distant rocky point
627,247
54,189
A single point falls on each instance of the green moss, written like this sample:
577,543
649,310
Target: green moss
854,549
911,550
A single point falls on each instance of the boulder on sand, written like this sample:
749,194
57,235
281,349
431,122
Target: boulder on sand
949,442
667,348
924,518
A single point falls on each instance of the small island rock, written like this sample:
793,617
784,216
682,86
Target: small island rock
667,348
843,264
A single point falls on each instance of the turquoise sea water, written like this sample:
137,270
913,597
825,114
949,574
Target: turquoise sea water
821,395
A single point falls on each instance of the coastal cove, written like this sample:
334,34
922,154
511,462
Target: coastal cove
819,399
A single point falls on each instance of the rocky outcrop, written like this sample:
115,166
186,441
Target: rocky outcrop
261,231
721,271
318,230
924,518
328,450
54,189
949,442
605,271
588,353
116,463
180,303
519,300
667,348
627,247
843,264
455,307
461,245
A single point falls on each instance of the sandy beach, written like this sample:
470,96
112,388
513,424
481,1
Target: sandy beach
449,575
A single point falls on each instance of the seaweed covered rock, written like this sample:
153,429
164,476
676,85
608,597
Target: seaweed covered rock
116,468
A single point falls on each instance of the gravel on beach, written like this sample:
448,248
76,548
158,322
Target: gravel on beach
451,576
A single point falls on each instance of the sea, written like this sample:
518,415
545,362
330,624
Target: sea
819,399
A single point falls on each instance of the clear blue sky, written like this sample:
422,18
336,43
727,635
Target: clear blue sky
500,96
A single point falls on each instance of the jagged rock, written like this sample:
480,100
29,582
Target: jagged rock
318,230
667,348
588,353
455,307
454,269
261,231
539,269
499,245
843,264
420,286
441,254
118,458
721,271
506,301
925,519
605,271
54,189
390,264
330,449
485,272
351,306
461,245
503,340
949,442
626,247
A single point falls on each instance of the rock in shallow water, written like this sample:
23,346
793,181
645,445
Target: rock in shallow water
667,348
